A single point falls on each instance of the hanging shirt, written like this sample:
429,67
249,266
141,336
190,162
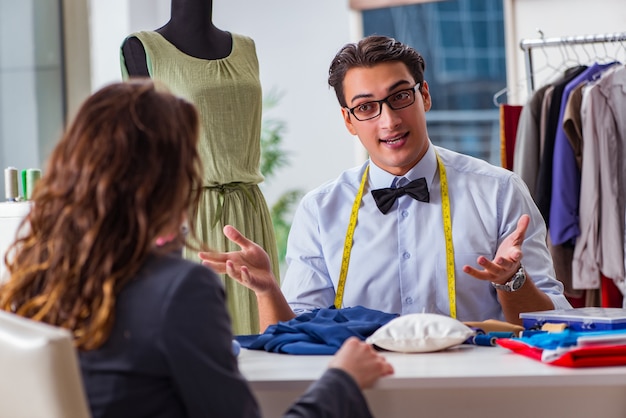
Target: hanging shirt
600,246
527,153
565,173
543,191
398,260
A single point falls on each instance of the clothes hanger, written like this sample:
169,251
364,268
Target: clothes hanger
498,95
548,65
504,93
590,59
620,49
576,57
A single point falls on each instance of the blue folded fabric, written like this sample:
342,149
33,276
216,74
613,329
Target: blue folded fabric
570,338
321,331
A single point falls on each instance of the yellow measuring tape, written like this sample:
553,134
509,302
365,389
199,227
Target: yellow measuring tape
347,246
447,230
447,227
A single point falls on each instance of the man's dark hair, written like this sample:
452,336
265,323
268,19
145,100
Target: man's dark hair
368,52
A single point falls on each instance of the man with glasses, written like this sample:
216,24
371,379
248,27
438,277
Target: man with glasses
402,232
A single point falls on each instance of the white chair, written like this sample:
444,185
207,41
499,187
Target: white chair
40,373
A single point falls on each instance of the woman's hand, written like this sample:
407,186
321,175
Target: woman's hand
361,361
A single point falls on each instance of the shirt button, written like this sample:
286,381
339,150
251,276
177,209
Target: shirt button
406,256
405,213
409,300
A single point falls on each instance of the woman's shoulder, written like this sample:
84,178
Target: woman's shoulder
167,272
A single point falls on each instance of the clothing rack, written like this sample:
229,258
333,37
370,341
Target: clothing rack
527,46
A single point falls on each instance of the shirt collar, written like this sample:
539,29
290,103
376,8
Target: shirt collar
426,167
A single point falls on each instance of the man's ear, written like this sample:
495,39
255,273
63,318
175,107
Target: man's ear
426,96
347,119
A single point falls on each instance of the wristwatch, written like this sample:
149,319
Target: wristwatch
516,282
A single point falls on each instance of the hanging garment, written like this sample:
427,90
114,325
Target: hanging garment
565,194
600,246
572,123
527,151
544,179
509,119
611,295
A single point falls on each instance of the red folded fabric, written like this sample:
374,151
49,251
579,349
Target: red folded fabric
587,356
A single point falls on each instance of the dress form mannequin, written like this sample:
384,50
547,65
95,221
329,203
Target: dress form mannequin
218,71
190,29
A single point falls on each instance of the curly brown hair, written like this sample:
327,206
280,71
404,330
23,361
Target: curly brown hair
126,170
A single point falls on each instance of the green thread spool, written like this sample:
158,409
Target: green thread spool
32,176
23,176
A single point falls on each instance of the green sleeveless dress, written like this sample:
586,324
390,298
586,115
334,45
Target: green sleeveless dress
227,93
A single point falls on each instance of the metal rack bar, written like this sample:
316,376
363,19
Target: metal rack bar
527,46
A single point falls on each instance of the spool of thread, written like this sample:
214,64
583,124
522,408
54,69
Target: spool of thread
32,176
11,192
502,334
23,176
484,339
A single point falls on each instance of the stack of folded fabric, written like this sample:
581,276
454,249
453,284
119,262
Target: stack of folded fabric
572,348
586,337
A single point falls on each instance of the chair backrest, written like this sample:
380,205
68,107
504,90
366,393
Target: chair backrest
40,373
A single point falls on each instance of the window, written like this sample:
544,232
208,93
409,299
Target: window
462,42
32,110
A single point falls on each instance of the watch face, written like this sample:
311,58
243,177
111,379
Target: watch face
518,280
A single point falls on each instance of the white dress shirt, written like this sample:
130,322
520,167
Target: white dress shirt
398,260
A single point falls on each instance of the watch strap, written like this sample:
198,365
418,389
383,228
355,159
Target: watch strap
515,283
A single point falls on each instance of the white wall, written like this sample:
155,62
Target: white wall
109,24
295,43
557,18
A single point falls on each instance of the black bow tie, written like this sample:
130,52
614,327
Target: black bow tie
385,198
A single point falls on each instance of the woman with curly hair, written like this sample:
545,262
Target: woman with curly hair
100,255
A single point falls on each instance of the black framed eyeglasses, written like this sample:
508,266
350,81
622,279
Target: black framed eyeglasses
396,101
